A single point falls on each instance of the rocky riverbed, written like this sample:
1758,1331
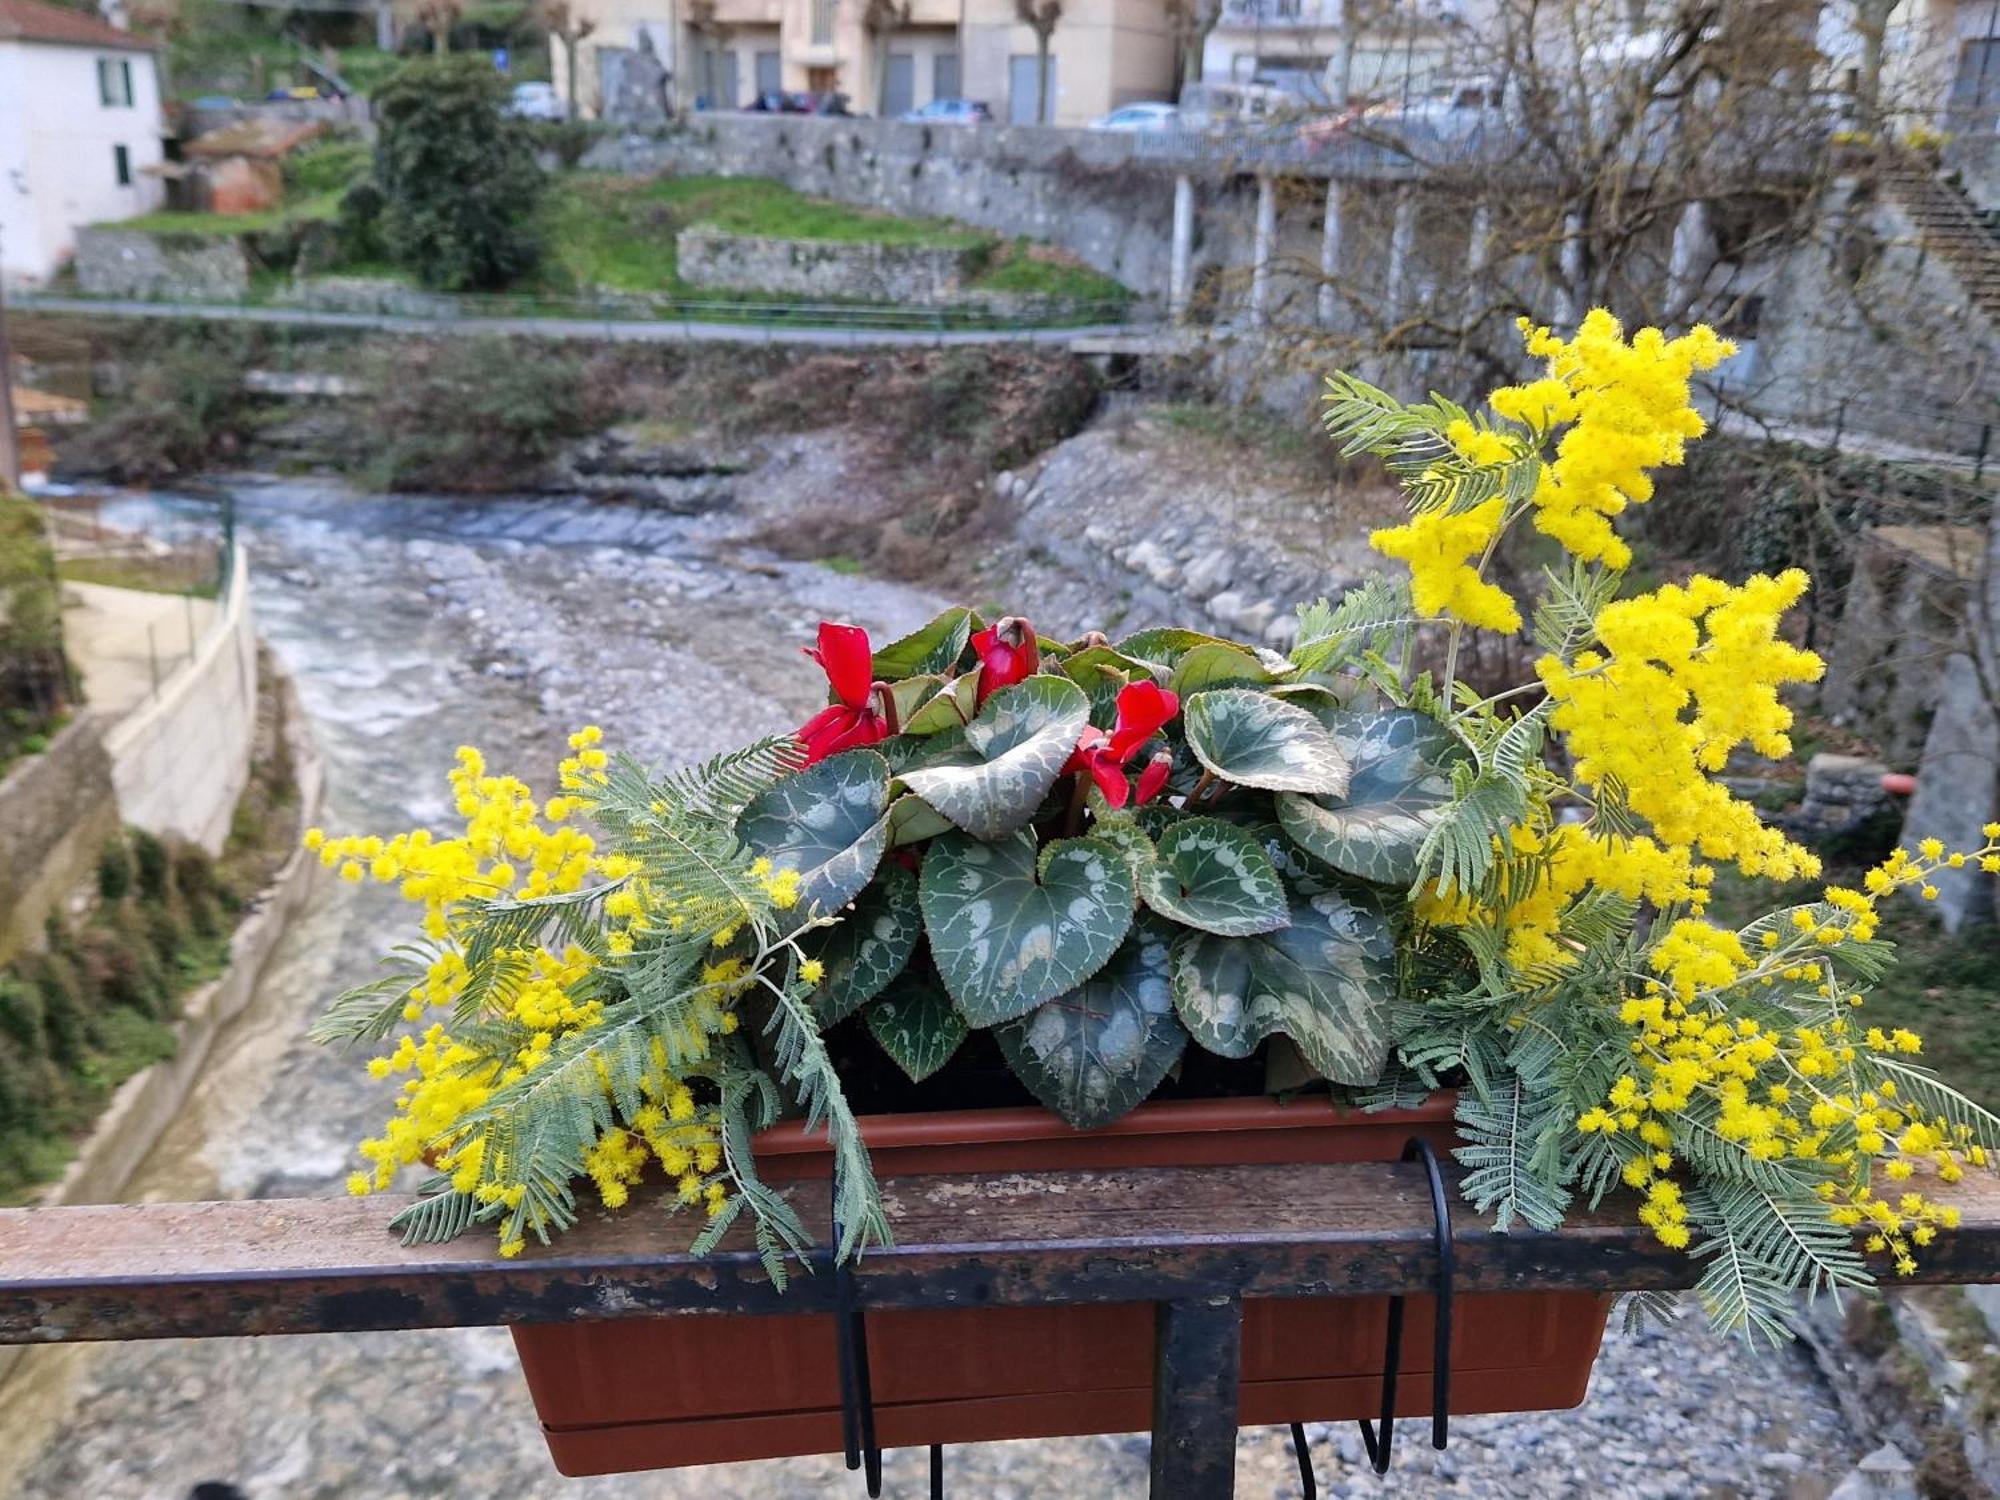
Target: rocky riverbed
411,626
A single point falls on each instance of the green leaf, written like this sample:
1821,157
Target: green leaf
935,648
1093,1054
1007,935
827,823
1327,981
912,820
1213,876
1253,739
868,946
1166,646
1399,791
1218,665
912,693
950,708
1102,672
917,1025
993,776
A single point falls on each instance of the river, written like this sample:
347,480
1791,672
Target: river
411,626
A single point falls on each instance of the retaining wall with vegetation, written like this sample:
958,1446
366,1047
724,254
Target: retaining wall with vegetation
56,811
911,275
112,262
146,1103
180,759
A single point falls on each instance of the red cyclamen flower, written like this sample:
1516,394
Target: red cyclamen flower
864,713
1007,652
1144,708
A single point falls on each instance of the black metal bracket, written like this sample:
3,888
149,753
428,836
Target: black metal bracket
857,1386
1379,1443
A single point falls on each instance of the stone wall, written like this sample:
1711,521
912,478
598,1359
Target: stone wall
112,262
1080,190
180,760
1903,615
56,811
1862,294
912,275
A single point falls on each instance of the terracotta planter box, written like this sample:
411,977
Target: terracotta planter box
668,1392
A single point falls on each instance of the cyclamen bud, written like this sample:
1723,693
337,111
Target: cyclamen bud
1008,653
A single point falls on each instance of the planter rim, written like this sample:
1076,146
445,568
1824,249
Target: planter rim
953,1127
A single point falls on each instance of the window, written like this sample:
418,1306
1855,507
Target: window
944,75
121,165
822,23
114,82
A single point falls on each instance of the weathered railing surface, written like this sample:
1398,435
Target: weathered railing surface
1195,1241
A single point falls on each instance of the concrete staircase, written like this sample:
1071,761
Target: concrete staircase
1951,227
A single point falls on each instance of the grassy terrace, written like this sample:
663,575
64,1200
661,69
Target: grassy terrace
617,233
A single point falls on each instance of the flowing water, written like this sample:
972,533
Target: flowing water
411,626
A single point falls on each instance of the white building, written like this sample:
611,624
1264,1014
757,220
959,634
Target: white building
79,126
1398,53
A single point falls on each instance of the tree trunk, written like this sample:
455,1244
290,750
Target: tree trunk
1041,77
569,63
1871,22
1343,56
882,72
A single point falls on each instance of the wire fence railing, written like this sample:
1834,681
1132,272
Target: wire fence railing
692,317
183,548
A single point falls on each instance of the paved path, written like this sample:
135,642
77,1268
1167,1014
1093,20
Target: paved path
620,330
124,640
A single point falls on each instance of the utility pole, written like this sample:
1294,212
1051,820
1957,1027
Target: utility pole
10,444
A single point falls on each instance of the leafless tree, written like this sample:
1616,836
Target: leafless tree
882,19
1040,17
1191,22
438,17
568,25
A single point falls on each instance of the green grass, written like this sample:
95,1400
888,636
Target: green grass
166,575
321,206
1018,269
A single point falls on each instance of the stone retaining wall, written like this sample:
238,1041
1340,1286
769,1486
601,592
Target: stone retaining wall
180,759
57,809
839,270
112,262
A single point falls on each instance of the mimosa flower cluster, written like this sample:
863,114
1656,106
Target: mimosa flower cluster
1751,1104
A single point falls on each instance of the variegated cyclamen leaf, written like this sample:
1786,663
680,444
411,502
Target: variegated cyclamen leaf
827,823
1094,1053
1326,981
1006,935
934,648
1122,831
1400,789
1253,739
912,820
991,777
1165,646
1218,665
869,946
949,707
917,1025
912,693
1215,877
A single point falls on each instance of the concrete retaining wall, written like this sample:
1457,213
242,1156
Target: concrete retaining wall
148,1101
180,759
912,275
132,263
57,809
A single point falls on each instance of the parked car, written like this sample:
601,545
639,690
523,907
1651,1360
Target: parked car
536,101
951,112
1139,117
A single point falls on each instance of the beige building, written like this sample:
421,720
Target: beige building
723,53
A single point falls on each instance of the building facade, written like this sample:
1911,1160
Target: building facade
79,127
886,56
